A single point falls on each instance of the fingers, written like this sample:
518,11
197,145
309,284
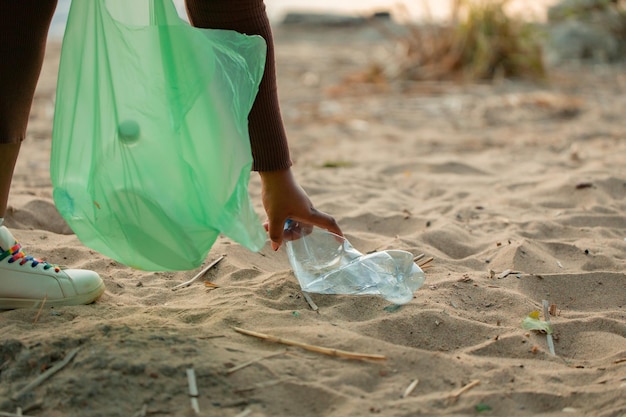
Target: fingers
322,220
275,231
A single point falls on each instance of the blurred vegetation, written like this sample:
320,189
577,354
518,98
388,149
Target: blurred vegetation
479,41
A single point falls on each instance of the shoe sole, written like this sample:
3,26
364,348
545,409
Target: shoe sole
80,299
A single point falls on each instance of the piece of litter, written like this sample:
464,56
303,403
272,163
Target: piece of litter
410,388
532,322
482,407
309,300
193,390
546,316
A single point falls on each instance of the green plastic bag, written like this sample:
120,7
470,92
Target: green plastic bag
151,156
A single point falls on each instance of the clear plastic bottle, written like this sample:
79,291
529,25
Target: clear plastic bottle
325,263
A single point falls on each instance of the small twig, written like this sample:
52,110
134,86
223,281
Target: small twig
312,348
243,365
426,262
309,300
193,390
546,317
418,257
41,378
506,273
410,388
455,395
43,302
200,274
215,336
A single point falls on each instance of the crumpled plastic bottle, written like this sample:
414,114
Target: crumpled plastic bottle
325,263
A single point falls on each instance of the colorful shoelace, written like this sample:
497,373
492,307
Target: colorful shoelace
16,253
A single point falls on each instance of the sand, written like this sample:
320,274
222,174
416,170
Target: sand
486,179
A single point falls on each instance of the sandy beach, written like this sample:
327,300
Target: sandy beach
517,190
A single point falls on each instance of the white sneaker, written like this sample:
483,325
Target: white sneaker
25,281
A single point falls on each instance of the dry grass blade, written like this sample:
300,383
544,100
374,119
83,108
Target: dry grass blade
43,303
199,275
312,348
455,395
253,361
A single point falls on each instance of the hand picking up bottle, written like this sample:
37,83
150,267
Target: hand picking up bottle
325,263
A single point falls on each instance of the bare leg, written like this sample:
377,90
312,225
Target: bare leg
23,31
8,156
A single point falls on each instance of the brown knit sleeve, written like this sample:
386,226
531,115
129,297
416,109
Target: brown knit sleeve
268,139
23,32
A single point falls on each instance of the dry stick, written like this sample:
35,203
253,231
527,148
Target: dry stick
192,280
243,365
43,302
418,257
193,390
410,388
425,262
41,378
546,317
309,300
312,348
455,395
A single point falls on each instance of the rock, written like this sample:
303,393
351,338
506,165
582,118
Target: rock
573,40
